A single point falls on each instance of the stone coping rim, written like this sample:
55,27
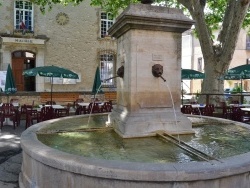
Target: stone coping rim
134,171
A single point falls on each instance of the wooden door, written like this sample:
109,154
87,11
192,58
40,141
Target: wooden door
17,69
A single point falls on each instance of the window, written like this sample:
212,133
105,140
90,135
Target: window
248,42
107,21
107,68
23,15
200,64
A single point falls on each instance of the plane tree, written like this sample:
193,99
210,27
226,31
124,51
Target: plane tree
225,16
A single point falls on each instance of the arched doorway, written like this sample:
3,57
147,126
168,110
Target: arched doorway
22,60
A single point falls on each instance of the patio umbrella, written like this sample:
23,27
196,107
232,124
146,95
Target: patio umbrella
97,83
190,74
238,73
10,86
51,71
240,70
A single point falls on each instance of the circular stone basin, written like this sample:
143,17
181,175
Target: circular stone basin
44,166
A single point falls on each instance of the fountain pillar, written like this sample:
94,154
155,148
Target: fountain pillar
148,35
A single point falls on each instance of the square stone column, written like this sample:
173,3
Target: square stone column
149,35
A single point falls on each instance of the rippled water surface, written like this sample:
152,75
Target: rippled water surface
214,138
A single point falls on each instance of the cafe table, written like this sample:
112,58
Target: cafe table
196,105
239,105
245,109
55,106
14,104
86,104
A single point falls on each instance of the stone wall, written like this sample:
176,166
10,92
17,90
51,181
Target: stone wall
29,97
74,45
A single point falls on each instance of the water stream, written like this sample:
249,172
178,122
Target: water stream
94,100
172,100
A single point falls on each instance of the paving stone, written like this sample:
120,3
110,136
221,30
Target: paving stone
8,185
12,167
17,158
8,177
10,156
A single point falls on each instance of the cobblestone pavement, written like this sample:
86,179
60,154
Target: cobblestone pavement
10,155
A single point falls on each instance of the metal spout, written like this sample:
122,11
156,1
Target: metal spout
163,79
110,78
120,73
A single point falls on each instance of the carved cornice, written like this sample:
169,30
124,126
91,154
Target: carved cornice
154,18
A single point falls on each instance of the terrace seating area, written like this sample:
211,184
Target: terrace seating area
93,107
235,111
197,109
11,113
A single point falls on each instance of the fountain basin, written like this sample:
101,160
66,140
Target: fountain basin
47,167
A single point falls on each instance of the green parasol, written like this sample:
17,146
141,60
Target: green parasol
51,71
238,73
10,86
97,83
189,74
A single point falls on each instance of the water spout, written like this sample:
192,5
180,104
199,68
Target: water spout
110,78
157,71
120,73
163,79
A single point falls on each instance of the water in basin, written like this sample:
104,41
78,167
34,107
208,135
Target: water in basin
215,138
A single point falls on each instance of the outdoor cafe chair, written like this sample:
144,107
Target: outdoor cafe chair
31,116
81,110
61,112
47,113
77,101
24,107
208,110
245,116
2,119
186,109
240,115
236,113
106,107
227,112
93,108
8,111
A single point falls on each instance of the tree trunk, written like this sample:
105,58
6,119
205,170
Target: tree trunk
213,83
217,54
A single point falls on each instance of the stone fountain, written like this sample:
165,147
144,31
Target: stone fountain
149,50
149,37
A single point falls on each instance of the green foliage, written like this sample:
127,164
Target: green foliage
237,89
49,3
214,11
112,6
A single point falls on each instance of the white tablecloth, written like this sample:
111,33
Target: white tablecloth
55,106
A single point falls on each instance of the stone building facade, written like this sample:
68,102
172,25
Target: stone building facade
70,37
